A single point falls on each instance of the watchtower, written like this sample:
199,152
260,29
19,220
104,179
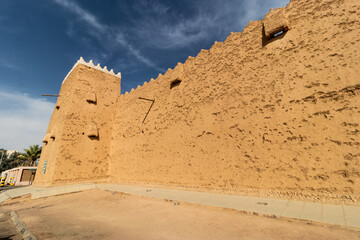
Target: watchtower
78,136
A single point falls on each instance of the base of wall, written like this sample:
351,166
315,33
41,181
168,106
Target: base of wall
342,215
266,193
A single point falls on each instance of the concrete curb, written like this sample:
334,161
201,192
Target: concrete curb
3,197
36,192
48,192
329,214
21,227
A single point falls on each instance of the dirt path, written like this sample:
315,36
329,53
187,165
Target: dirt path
99,214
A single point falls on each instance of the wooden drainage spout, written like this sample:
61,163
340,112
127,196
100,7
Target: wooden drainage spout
49,95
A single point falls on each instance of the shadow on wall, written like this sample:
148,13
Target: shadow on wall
97,138
93,136
275,36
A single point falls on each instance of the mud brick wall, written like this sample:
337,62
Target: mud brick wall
272,117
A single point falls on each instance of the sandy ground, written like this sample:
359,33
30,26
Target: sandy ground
100,214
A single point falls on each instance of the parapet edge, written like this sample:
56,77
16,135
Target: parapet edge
91,64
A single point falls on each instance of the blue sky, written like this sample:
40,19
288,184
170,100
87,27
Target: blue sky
40,41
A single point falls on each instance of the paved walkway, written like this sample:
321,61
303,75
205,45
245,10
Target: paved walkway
343,215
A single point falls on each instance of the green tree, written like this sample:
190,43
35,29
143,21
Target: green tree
31,154
9,162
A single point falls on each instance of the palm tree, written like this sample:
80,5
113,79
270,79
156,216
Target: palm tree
31,154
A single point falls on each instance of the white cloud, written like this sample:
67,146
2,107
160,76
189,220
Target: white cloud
120,39
209,19
82,14
184,31
23,120
159,26
256,9
152,7
105,31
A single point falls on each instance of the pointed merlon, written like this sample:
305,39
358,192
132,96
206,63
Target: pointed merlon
91,64
98,67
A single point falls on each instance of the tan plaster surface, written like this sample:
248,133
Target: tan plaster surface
253,116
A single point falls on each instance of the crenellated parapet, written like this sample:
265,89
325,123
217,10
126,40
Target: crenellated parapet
92,65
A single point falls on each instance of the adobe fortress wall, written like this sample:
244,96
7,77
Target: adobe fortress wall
256,114
276,116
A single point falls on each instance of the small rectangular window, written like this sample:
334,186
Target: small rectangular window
44,168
